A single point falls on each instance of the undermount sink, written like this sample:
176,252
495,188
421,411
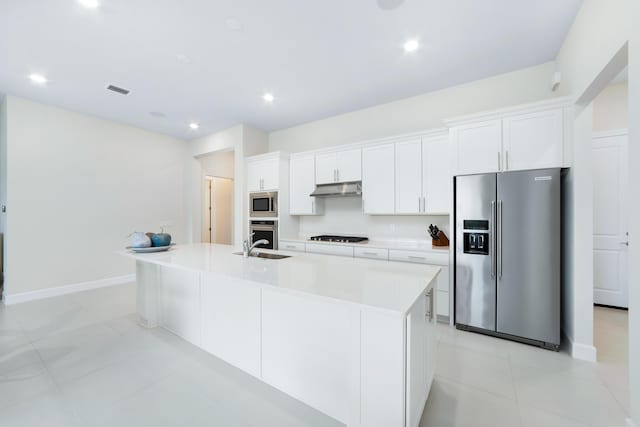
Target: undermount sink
265,255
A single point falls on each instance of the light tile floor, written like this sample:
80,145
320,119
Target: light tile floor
81,361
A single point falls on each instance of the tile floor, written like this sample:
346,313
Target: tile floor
81,360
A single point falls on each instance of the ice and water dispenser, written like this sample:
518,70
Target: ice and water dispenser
476,237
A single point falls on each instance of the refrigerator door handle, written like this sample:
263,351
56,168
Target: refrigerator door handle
493,239
499,251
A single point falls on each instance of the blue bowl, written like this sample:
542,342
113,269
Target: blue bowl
161,239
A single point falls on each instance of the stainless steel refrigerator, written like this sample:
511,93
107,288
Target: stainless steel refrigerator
507,257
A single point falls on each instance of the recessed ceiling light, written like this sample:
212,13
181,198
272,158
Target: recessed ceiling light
411,45
194,126
89,3
38,78
268,97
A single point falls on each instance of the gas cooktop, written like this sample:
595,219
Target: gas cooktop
340,239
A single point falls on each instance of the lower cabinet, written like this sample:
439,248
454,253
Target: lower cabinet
330,249
231,321
421,354
180,303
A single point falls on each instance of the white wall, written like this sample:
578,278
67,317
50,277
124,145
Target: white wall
590,57
3,172
344,216
611,108
76,187
634,205
220,164
418,113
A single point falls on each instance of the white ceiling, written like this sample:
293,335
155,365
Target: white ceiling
211,61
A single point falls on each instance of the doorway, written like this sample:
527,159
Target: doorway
218,214
610,233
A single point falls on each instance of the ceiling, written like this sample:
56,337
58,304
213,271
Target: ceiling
210,62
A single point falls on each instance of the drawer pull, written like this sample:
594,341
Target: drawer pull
370,253
417,257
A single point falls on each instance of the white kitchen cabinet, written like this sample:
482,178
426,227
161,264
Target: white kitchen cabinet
339,166
443,304
372,253
436,175
263,174
319,248
288,245
408,176
231,321
534,140
378,179
302,182
180,303
421,355
308,351
478,147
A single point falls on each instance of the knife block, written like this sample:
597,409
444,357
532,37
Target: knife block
441,241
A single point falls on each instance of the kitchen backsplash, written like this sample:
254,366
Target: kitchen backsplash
344,216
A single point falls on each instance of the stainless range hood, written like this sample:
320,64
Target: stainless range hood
342,189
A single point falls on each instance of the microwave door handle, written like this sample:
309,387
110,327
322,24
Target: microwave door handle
270,204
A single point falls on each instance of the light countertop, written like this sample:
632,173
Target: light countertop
405,245
389,286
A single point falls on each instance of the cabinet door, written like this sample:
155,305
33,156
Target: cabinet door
302,182
254,176
231,322
534,141
436,175
270,174
320,248
478,147
326,168
408,169
349,165
378,187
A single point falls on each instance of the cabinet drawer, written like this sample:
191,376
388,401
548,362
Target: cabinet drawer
442,300
329,249
375,253
292,246
419,257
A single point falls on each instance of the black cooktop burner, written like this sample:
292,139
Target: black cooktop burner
341,239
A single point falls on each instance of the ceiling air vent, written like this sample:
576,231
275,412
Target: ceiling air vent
119,90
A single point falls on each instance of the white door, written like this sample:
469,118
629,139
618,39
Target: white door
533,141
302,181
221,210
378,187
478,147
349,165
436,174
326,168
610,221
409,176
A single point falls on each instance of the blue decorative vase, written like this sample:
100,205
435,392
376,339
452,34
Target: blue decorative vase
161,239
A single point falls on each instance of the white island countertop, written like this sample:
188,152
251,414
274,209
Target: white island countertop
388,286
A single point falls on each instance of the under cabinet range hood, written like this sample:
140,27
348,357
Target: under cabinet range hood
342,189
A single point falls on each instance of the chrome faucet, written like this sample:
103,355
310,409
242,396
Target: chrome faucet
247,248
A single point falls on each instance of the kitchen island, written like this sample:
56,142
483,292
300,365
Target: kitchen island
353,338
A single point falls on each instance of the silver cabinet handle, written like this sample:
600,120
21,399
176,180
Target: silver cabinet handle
429,310
313,206
493,239
416,257
624,243
424,204
338,175
499,161
499,239
507,159
370,253
419,204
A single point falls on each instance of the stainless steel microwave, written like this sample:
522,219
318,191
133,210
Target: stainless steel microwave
263,205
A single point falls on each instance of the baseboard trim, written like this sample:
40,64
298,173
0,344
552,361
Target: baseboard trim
18,298
581,351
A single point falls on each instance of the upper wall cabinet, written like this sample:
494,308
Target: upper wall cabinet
302,172
533,141
263,173
339,166
478,147
378,183
531,136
